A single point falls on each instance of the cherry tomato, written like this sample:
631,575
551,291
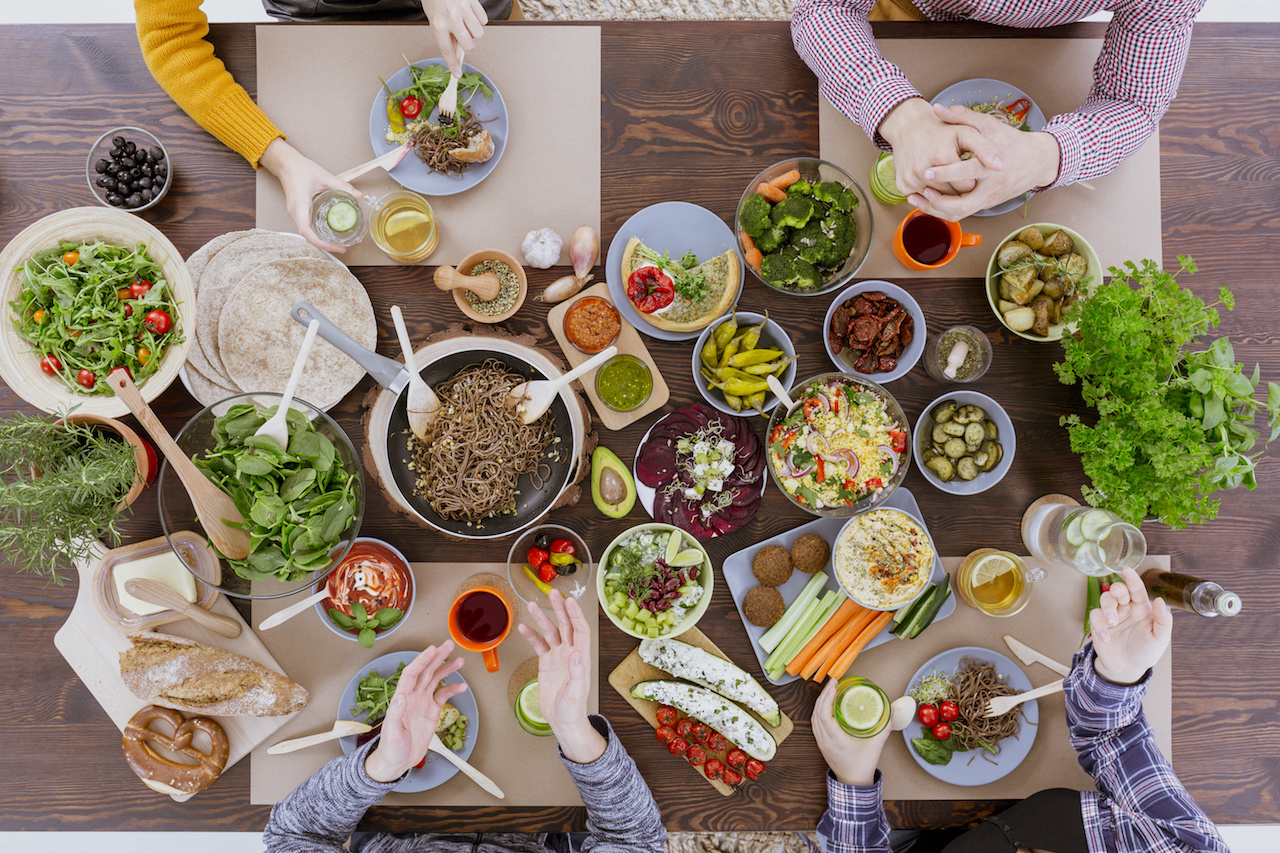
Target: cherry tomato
50,364
684,727
70,258
679,746
714,768
717,743
410,107
696,755
39,316
754,769
561,546
732,778
666,715
650,289
139,288
87,378
157,321
547,573
942,731
665,734
124,293
143,355
421,763
927,715
947,710
736,758
128,311
700,732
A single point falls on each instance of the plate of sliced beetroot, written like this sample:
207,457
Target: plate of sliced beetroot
701,470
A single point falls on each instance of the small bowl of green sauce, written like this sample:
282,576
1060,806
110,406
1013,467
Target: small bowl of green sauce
624,383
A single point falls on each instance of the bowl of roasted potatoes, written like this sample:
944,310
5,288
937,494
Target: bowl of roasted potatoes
1035,274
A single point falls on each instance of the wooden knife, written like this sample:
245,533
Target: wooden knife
1028,655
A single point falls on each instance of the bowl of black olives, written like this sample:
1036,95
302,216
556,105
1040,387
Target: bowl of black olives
128,168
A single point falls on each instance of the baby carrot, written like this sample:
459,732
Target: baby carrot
771,192
785,180
836,621
754,257
842,664
826,655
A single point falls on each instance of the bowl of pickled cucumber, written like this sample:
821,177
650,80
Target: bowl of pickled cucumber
964,443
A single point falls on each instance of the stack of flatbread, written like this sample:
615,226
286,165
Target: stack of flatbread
245,341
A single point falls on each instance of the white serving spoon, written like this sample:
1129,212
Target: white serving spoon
532,399
781,393
342,728
291,611
277,427
423,405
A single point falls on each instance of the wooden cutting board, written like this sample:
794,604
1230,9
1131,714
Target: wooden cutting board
633,670
92,646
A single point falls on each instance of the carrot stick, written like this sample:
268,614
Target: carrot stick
748,242
826,655
771,192
842,664
837,619
785,180
754,257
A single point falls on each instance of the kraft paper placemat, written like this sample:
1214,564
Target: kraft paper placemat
525,767
317,84
1120,218
1051,623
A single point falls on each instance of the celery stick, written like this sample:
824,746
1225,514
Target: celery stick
774,635
785,653
812,614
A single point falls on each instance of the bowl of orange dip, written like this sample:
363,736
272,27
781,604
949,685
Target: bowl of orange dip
592,323
374,576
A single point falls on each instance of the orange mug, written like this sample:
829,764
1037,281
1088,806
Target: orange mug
935,241
479,620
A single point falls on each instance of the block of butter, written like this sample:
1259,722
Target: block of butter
164,567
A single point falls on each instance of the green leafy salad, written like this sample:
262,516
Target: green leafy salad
419,98
297,503
89,308
373,697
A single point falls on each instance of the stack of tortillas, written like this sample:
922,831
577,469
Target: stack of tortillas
245,341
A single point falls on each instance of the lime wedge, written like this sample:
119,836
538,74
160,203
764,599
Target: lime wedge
527,702
991,567
673,546
342,216
884,182
861,707
688,557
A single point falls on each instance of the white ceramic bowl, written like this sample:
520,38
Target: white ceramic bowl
861,518
1092,278
909,356
101,150
382,632
705,577
1007,438
772,335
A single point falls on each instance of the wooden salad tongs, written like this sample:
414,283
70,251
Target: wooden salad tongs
214,507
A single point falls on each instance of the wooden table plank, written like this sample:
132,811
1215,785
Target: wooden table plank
682,119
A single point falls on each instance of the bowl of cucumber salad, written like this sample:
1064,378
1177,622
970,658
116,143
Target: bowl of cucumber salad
654,581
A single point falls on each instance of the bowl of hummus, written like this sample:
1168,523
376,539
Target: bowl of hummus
883,558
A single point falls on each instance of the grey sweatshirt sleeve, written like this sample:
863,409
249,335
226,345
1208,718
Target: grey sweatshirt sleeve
622,816
322,812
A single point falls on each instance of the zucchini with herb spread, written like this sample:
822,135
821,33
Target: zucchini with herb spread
714,673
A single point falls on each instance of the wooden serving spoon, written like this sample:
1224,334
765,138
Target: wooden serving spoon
155,592
213,506
292,610
485,285
342,728
532,399
422,405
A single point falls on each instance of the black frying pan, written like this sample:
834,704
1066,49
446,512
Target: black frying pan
532,503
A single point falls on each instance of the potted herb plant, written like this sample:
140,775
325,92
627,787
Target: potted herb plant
1174,420
63,485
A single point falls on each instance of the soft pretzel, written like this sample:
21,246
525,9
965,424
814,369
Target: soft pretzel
165,774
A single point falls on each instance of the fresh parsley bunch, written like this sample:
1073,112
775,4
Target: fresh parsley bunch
1174,426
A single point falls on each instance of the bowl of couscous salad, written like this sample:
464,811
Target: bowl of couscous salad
843,448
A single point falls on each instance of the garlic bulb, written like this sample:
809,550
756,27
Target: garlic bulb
541,248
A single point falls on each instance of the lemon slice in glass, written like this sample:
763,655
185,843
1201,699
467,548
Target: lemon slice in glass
991,567
884,182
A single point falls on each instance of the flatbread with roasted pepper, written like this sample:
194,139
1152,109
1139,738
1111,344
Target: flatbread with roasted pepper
676,298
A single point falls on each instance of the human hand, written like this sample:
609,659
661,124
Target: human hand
853,760
564,676
921,140
410,723
1130,632
1026,160
302,179
456,25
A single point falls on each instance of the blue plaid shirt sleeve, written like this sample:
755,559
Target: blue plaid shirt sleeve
855,820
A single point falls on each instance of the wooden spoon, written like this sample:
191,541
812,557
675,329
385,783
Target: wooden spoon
155,592
342,728
423,405
214,507
479,778
532,399
485,285
292,610
277,426
781,393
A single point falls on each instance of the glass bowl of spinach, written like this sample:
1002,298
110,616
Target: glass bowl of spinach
303,505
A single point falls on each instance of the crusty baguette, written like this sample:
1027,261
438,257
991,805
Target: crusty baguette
479,148
179,673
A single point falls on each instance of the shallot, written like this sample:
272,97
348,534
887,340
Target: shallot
561,289
584,251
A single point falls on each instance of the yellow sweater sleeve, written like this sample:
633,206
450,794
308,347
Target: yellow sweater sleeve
173,35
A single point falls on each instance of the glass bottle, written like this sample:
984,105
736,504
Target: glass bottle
1192,594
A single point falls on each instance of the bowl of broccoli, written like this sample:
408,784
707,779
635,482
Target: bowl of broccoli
804,225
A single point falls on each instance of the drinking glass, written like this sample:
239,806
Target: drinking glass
1094,541
996,582
326,201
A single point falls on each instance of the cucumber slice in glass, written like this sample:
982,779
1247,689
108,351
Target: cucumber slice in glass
342,216
1092,524
1073,533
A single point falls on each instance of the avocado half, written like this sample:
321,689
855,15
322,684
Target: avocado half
612,488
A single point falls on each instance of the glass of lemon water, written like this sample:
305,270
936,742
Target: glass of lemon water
996,582
861,707
529,711
404,226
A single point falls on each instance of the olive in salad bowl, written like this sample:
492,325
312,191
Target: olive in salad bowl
843,448
654,581
547,557
370,593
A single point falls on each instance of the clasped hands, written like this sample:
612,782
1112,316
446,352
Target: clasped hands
930,141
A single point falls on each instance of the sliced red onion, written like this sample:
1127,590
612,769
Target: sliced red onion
852,459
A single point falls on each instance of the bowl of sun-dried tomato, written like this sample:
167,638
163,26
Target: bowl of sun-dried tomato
876,330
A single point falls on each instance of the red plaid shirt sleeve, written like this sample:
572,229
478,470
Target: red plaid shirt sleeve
1135,78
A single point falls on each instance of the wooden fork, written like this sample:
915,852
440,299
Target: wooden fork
1001,705
449,100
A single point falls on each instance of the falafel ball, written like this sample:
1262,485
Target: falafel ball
772,565
810,553
763,606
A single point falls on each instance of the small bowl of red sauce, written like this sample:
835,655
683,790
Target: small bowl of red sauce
374,576
592,323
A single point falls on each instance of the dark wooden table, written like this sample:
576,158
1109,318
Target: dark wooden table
691,111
